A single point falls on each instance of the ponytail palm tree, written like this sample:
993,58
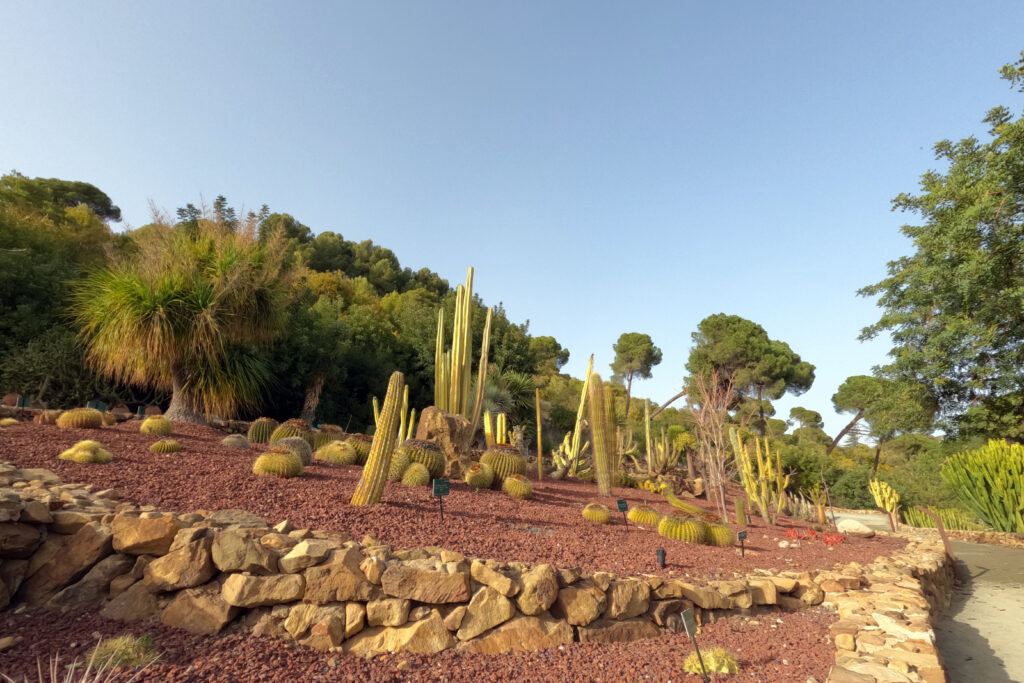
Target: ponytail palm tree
186,313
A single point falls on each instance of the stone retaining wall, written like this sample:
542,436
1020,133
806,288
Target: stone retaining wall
67,546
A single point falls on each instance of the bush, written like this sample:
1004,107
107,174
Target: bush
990,482
125,651
851,490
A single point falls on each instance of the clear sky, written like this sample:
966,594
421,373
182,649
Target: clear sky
607,167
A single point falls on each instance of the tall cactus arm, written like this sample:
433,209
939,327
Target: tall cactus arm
371,484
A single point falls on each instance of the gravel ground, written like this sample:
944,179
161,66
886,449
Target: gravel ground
548,528
791,648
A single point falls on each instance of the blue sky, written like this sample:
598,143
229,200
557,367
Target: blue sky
606,167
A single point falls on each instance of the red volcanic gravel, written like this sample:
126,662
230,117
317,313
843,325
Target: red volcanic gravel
549,528
792,647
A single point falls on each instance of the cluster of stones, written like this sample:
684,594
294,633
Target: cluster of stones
884,632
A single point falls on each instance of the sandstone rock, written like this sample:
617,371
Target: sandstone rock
186,567
10,506
236,519
70,521
305,554
602,580
13,573
339,580
373,568
235,550
844,641
387,612
86,547
135,603
493,578
579,605
119,584
427,636
522,634
452,432
627,598
435,587
855,528
245,590
18,541
36,511
199,610
91,590
7,642
326,633
539,590
487,609
277,541
616,631
144,536
189,535
453,621
355,618
783,584
763,591
704,597
421,612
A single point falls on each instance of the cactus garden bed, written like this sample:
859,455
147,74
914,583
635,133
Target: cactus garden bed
548,528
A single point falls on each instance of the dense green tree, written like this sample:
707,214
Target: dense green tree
51,196
548,355
955,307
806,417
635,355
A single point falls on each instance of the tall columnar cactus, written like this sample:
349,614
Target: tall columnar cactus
426,453
602,434
990,482
741,511
80,418
371,484
568,457
505,461
761,474
261,429
540,441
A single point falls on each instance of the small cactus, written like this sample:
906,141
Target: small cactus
165,446
157,425
235,441
683,528
596,513
479,475
80,418
336,453
362,443
326,434
720,535
505,461
261,429
87,452
517,486
278,462
644,514
426,452
717,660
399,461
8,421
416,474
299,446
290,428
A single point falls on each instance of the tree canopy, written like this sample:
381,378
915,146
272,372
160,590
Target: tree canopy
635,355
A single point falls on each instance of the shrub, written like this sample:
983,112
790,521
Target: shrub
990,482
127,651
851,490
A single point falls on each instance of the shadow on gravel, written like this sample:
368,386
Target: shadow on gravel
966,653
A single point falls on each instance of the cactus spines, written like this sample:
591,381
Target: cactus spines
336,453
479,475
80,418
290,428
426,452
157,425
683,528
165,446
741,511
278,462
235,441
298,446
718,660
361,443
720,535
399,462
326,434
261,429
87,452
505,461
517,486
602,427
371,484
596,513
416,474
644,514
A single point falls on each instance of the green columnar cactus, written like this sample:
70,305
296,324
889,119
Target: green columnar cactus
261,429
717,660
426,453
375,472
990,482
644,514
682,528
80,418
741,511
87,452
479,475
235,441
278,462
290,428
602,431
596,513
336,453
505,461
517,486
157,425
416,474
399,462
298,446
361,443
165,446
720,535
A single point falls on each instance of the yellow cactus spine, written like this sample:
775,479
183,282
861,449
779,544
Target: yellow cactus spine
602,427
886,498
762,475
371,484
488,430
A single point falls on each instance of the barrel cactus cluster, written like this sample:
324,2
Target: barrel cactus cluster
427,453
235,441
644,514
261,429
505,461
720,535
416,474
517,486
683,528
87,452
292,428
278,462
80,418
596,513
336,453
156,425
165,446
361,443
326,434
299,446
479,475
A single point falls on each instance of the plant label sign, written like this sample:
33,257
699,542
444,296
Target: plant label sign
441,487
689,623
741,536
620,504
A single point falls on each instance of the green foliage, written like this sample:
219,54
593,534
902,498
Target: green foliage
635,355
338,453
80,418
235,441
157,425
644,514
505,461
517,486
683,528
955,307
990,482
888,406
299,446
278,462
87,452
479,475
165,446
261,429
806,417
717,660
851,489
426,453
596,513
126,652
952,518
416,474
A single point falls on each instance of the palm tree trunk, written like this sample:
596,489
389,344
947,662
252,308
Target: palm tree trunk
183,406
313,389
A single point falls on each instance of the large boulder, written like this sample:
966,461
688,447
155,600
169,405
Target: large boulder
144,535
615,631
539,591
493,578
487,609
235,550
90,544
451,432
579,605
854,528
245,590
426,636
305,554
627,598
189,566
339,579
199,610
134,603
91,590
